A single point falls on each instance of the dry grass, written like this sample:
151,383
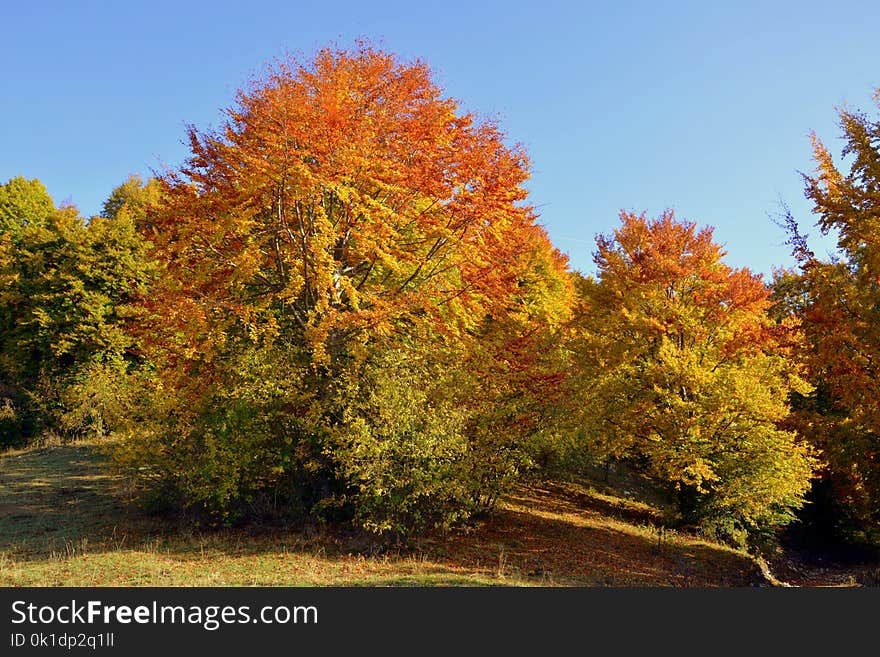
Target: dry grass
62,523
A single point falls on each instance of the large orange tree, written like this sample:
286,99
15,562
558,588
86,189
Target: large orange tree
341,244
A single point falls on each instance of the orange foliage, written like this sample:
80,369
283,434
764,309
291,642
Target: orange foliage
669,277
343,196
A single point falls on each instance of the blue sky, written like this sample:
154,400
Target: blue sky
700,107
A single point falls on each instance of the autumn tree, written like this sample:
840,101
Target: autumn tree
450,425
514,365
349,233
839,304
686,376
23,202
135,197
65,289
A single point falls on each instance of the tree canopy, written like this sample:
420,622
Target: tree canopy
23,202
343,305
66,288
344,195
839,303
685,375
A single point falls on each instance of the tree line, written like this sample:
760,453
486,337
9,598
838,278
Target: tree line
343,306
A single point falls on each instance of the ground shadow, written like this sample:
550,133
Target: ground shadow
54,498
61,502
555,539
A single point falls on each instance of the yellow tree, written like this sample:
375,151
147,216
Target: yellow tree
685,374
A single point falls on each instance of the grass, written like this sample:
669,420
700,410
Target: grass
63,522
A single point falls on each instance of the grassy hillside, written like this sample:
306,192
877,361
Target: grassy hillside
63,522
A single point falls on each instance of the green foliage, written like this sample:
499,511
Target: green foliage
65,293
23,203
96,401
243,448
401,445
134,197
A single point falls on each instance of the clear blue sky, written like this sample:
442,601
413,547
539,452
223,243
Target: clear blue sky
635,105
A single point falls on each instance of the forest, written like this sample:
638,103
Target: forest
343,309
